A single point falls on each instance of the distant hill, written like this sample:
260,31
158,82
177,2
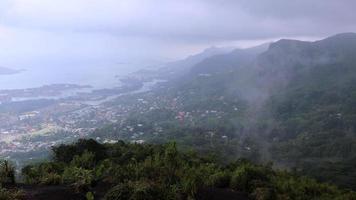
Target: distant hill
179,69
238,58
183,66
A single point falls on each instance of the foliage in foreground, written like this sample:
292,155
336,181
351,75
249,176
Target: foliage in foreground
7,178
144,171
7,173
6,194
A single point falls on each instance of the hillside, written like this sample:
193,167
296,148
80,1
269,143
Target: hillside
175,69
315,112
305,105
292,104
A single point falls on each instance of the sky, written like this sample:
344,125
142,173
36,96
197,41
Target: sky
80,32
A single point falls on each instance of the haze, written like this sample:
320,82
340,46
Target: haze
71,32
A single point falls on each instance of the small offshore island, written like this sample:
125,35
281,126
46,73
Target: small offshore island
52,90
8,71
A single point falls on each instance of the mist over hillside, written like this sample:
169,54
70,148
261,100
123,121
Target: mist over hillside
289,102
177,100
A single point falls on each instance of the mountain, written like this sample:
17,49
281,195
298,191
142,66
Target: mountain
269,68
314,106
286,58
183,66
238,58
178,70
296,100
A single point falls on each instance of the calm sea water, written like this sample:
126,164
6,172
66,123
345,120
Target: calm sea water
104,76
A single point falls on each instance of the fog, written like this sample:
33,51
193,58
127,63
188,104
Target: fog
102,35
91,90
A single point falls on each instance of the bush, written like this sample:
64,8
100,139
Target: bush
79,177
65,153
105,169
121,191
11,195
7,173
86,160
47,173
145,191
138,190
263,193
30,174
51,179
219,180
247,177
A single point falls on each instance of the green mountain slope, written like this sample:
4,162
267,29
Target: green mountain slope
298,100
293,104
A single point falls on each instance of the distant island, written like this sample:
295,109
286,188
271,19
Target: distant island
8,71
53,90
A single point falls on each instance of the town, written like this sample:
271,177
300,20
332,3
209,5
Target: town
64,120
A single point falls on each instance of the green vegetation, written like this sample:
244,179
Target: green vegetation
7,173
294,105
145,171
6,194
7,179
316,130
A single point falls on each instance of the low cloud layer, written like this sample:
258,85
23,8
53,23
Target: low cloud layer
34,32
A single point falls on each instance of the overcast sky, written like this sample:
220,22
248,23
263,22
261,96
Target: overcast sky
33,32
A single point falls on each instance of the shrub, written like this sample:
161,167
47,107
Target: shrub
89,196
30,174
86,160
79,177
247,176
138,190
145,191
219,179
7,173
47,173
65,153
104,169
11,195
121,191
263,193
51,179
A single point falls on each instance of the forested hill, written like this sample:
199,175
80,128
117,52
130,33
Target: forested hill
293,104
302,96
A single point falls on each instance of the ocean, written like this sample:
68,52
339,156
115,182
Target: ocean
100,76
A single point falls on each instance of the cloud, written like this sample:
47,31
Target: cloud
190,19
113,29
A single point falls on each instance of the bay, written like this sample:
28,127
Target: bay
97,76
